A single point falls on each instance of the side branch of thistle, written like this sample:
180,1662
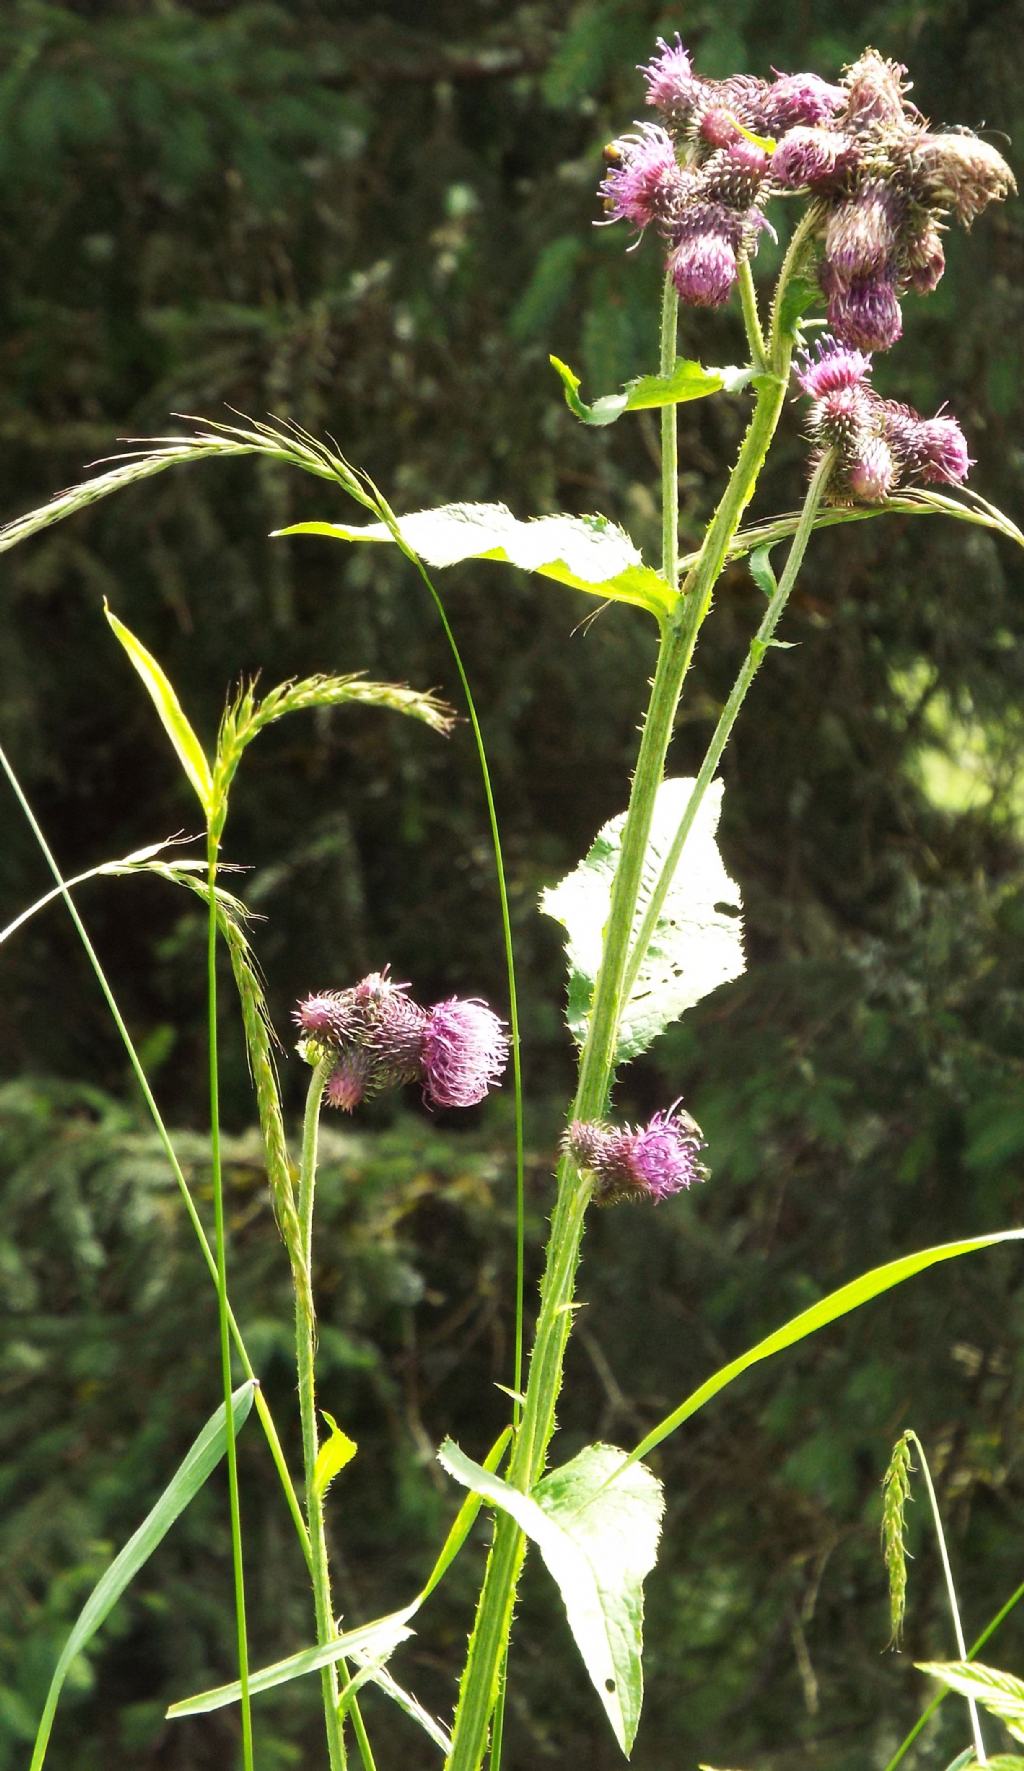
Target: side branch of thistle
727,719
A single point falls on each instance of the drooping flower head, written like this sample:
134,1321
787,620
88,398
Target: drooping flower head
639,1162
463,1052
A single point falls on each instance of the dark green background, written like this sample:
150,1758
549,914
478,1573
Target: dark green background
377,220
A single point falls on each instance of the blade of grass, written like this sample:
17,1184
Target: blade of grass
202,1458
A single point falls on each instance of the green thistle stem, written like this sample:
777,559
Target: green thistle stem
480,1682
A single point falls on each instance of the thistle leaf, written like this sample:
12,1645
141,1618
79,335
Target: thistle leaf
189,751
586,553
687,381
1000,1693
596,1524
697,943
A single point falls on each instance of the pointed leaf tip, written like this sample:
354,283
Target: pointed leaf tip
189,751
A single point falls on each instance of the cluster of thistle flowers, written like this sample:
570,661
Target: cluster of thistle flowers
379,1038
878,443
881,181
652,1161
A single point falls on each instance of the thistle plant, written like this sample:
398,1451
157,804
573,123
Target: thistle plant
866,189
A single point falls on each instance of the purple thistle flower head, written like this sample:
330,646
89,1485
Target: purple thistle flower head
871,471
652,1161
960,172
861,232
702,263
795,100
835,366
865,313
813,157
943,450
671,86
645,182
842,417
463,1051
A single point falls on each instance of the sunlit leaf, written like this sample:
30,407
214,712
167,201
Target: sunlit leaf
382,1635
597,1531
203,1457
828,1309
189,751
1000,1693
698,941
586,553
687,381
335,1452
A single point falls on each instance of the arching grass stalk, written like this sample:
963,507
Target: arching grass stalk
220,1246
480,1683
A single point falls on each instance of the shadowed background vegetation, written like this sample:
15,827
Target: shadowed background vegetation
377,221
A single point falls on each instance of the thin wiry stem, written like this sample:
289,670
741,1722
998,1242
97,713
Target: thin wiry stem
220,1245
979,1744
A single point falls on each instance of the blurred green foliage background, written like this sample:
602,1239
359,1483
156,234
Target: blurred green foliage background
377,220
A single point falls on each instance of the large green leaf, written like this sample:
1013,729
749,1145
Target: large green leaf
828,1309
596,1523
188,1478
687,381
698,940
1000,1693
586,553
189,751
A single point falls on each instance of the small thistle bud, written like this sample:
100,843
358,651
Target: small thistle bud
866,314
861,233
814,157
841,417
652,1161
702,264
718,127
871,472
962,173
671,86
835,366
645,182
351,1080
794,100
327,1018
733,176
463,1052
923,258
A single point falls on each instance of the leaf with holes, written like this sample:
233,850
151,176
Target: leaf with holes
698,941
596,1524
587,553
